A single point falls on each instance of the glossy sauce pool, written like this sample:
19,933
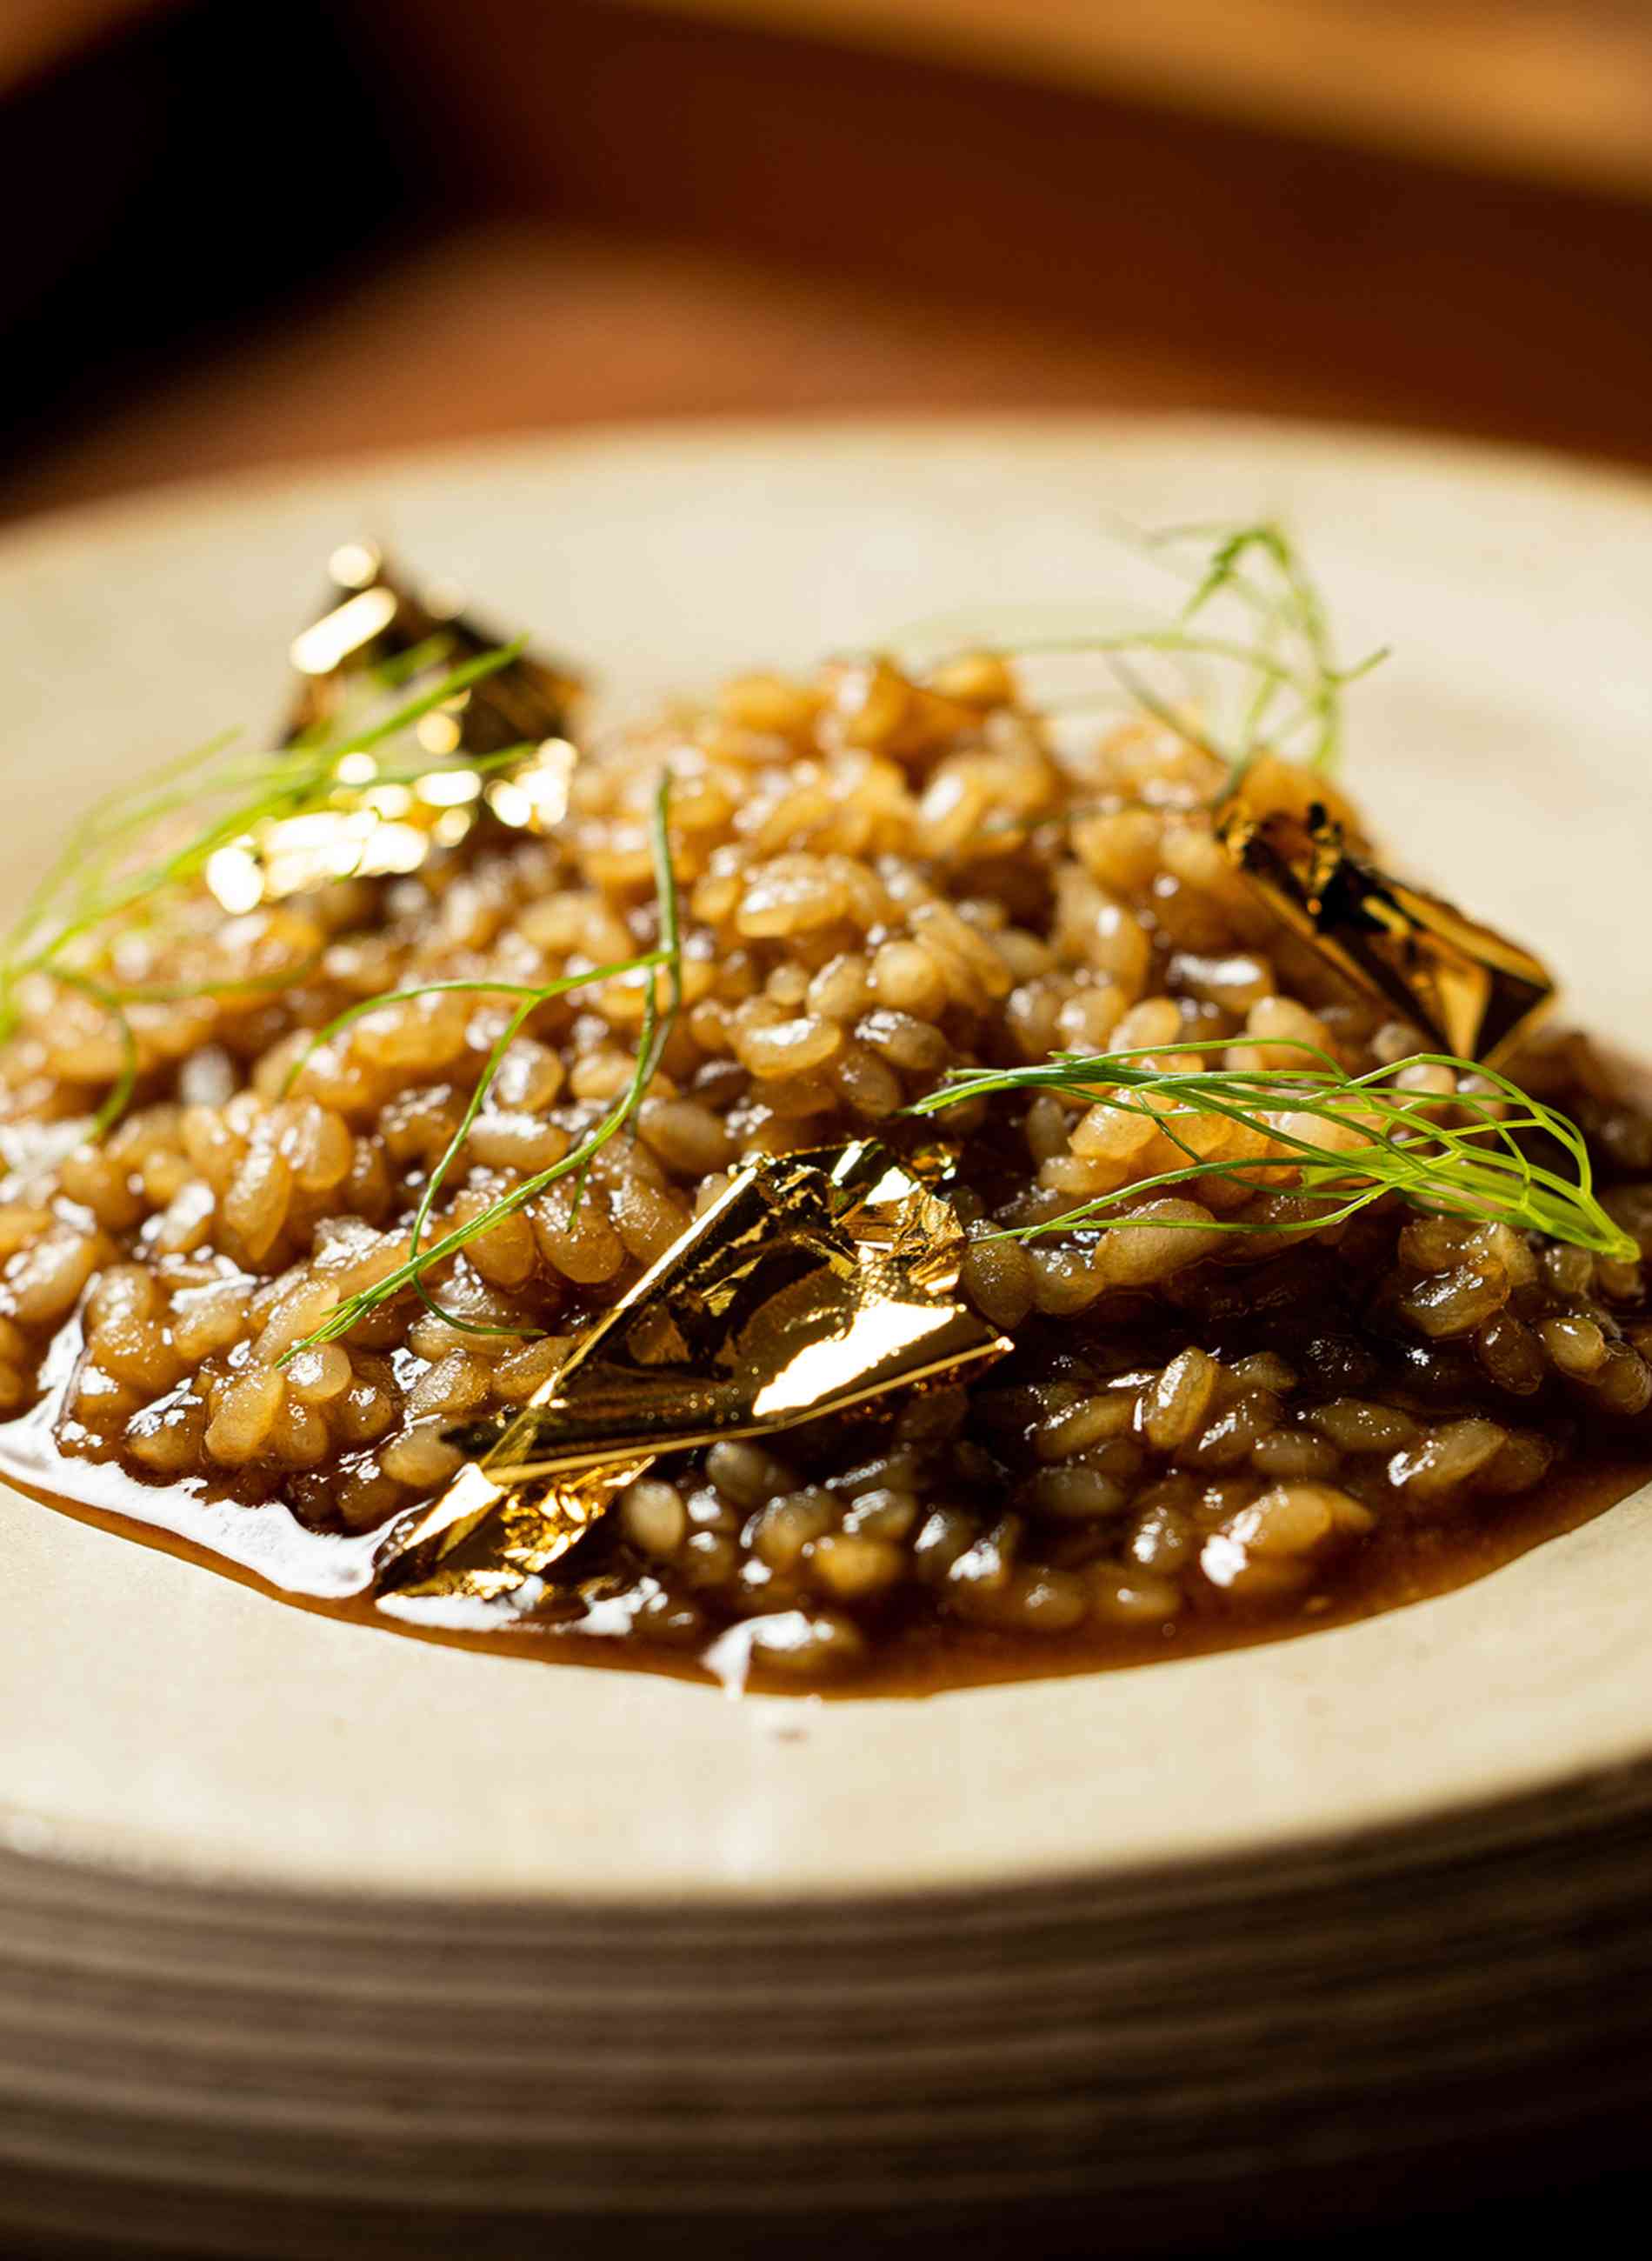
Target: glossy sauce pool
267,1548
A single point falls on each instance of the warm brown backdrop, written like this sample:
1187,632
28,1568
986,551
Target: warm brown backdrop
611,210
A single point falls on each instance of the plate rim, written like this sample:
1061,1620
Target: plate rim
139,510
206,502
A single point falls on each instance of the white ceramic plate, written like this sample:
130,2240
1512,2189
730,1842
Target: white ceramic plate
161,1718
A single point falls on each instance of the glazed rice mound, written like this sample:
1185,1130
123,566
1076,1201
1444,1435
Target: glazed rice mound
880,880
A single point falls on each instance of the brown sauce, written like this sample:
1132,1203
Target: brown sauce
267,1547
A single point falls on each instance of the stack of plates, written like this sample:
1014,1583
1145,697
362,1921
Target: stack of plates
313,1938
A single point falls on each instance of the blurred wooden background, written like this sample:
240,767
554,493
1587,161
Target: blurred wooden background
1551,89
247,233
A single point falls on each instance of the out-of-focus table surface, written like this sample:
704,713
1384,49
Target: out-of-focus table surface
1555,89
637,214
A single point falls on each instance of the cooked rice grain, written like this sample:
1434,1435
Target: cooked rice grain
882,880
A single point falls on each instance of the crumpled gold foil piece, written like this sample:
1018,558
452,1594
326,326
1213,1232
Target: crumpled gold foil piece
484,1538
372,618
813,1282
1475,993
378,820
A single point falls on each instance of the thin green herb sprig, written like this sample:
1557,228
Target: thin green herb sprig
114,997
1472,1167
102,876
530,997
1252,615
652,1038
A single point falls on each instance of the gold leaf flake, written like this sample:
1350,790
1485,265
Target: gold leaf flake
1475,993
813,1282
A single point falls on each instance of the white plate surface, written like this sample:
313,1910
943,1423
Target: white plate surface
158,1716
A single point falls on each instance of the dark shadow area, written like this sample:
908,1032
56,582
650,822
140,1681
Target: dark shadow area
217,168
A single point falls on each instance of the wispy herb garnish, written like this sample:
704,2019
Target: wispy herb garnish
654,1033
1256,661
111,873
119,1096
1461,1156
530,996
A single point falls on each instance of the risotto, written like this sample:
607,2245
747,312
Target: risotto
1221,1416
